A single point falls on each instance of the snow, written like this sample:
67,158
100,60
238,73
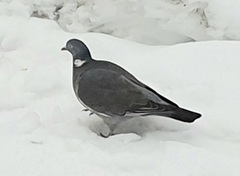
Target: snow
151,22
43,130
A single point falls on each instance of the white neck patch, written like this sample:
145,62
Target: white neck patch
78,62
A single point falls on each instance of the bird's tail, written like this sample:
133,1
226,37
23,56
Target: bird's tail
183,115
177,114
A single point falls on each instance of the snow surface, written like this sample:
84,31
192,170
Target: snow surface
151,22
43,130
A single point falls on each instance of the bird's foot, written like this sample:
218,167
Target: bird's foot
106,136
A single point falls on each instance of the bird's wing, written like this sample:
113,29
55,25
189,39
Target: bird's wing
148,90
112,93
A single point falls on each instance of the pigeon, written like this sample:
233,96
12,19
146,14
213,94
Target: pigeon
114,94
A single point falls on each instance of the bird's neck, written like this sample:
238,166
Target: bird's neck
78,62
79,66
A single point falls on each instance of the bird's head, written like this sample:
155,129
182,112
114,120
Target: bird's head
79,50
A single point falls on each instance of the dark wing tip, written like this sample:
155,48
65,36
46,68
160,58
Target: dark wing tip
185,115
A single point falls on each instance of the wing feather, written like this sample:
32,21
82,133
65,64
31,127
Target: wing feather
110,92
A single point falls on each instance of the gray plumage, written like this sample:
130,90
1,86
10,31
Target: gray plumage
114,94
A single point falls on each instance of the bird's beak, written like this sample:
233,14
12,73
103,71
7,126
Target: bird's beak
64,49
